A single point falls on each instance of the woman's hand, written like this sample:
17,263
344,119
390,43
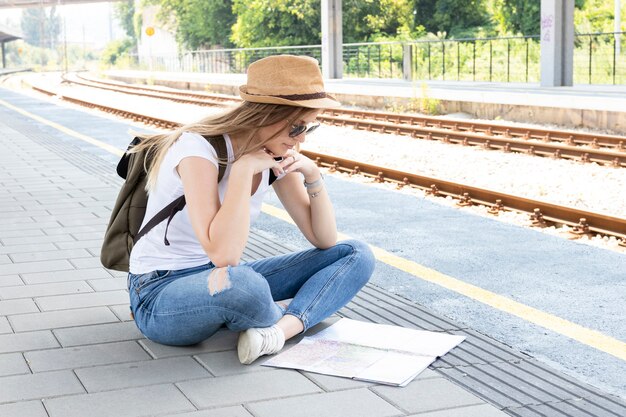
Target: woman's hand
259,161
294,161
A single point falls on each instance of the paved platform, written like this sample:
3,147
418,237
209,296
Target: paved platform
68,347
590,106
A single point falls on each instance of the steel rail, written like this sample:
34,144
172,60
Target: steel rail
570,138
584,222
378,123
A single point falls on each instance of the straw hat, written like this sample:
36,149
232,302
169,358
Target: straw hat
287,79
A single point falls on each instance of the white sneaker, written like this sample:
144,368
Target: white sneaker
259,341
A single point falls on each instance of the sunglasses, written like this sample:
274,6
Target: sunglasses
297,130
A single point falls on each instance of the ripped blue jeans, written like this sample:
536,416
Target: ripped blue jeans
187,306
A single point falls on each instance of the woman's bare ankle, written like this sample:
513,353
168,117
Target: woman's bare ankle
290,325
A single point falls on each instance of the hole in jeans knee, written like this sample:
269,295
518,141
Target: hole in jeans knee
218,281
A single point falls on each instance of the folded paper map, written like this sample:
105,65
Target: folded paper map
378,353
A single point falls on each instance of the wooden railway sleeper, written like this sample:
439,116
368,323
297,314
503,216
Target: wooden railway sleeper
354,171
405,182
584,158
496,208
465,200
434,191
582,228
380,177
537,220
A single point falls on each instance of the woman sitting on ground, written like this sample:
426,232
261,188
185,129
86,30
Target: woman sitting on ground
181,293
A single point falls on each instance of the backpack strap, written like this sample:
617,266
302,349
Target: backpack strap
169,211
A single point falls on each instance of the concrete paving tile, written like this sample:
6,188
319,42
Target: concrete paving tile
134,402
63,318
23,409
28,226
9,307
428,395
108,284
18,215
37,290
63,302
31,247
254,386
21,342
482,410
33,234
80,356
96,231
36,386
13,364
71,275
86,221
10,280
30,267
50,255
90,242
237,411
122,311
19,240
99,333
135,374
351,403
4,259
222,340
5,327
227,363
86,262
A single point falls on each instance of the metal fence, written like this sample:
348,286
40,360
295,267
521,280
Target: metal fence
599,58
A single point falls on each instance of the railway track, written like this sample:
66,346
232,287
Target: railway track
541,213
580,146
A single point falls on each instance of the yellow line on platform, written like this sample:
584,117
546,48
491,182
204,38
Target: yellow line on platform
88,139
561,326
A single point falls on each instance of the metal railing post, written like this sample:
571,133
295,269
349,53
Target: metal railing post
508,60
527,59
474,62
443,59
590,53
429,61
407,59
458,60
490,60
614,56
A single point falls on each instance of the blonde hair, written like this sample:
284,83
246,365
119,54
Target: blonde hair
245,119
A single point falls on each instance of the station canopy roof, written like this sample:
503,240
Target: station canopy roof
7,35
15,4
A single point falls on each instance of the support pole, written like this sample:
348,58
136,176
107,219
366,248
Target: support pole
332,39
617,27
557,43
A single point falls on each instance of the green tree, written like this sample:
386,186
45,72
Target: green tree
124,11
454,17
199,23
276,23
41,28
375,19
517,16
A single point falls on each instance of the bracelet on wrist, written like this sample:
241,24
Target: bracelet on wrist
314,183
315,194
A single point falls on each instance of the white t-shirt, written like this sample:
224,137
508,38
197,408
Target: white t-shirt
150,253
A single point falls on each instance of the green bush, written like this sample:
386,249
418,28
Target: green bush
115,49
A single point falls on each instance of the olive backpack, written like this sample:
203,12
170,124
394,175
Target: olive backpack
123,232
